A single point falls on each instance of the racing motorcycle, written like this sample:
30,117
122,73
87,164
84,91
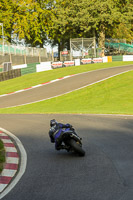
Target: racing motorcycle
72,141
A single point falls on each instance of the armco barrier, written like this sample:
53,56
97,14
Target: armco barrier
43,66
105,59
19,66
31,68
77,62
10,74
97,60
68,63
55,65
109,58
86,61
117,58
128,58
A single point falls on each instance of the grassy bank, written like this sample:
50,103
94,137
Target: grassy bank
2,155
113,96
41,77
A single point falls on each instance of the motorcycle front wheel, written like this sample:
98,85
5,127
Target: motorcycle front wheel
77,147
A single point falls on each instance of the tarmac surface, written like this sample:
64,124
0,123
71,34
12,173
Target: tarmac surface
106,171
60,87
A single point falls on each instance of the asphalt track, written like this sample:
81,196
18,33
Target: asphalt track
60,87
105,173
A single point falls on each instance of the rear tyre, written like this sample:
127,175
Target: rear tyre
77,147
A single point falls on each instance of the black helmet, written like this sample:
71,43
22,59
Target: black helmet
53,122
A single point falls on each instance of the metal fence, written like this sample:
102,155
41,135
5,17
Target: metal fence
83,47
21,50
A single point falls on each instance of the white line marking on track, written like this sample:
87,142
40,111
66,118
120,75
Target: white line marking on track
2,186
36,86
59,79
18,91
71,90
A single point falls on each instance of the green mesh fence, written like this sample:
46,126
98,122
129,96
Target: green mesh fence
1,48
120,46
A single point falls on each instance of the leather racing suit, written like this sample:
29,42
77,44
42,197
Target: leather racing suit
56,133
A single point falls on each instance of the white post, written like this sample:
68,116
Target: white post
70,50
94,46
1,24
82,48
39,55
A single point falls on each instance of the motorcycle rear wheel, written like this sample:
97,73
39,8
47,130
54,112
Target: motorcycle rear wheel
77,147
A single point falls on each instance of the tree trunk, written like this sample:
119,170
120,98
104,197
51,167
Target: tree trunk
102,36
41,45
102,39
60,47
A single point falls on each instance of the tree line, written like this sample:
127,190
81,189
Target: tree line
42,21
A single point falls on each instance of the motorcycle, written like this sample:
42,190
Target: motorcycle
72,141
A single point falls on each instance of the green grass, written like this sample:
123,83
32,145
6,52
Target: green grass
2,155
41,77
113,96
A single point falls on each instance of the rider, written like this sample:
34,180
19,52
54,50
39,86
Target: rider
55,133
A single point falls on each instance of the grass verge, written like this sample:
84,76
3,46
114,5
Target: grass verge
41,77
113,96
2,155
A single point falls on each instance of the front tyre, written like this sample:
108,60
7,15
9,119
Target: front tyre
77,147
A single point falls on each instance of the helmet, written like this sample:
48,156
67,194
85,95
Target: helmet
53,122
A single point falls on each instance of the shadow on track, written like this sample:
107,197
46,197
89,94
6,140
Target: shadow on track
105,173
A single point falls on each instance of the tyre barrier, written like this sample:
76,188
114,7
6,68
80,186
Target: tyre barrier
10,74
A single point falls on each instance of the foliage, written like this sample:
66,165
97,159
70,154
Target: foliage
6,16
83,18
28,19
37,20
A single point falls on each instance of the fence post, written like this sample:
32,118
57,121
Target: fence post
10,53
25,58
82,49
70,50
39,55
95,47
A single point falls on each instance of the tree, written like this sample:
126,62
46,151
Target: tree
69,18
83,18
124,29
6,17
28,22
36,21
26,19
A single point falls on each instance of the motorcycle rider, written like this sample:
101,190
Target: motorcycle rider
56,132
